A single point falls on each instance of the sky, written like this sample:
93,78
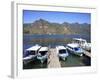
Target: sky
29,16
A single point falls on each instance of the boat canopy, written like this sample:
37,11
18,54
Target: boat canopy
61,47
79,39
73,45
33,48
43,49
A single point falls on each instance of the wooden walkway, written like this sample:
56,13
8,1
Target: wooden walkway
53,59
87,53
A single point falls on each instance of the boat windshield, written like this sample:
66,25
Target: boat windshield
43,52
31,52
76,49
27,53
62,51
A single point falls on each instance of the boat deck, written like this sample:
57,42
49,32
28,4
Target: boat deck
87,53
53,59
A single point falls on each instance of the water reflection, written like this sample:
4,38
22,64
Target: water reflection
71,61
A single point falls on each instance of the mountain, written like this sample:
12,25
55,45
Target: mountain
42,26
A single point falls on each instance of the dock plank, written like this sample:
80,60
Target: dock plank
53,59
87,53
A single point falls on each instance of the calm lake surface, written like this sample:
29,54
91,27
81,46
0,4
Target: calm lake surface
71,61
28,38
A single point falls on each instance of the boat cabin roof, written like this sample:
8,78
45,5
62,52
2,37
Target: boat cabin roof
73,45
79,39
33,48
43,49
60,47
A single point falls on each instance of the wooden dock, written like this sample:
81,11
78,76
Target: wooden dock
87,53
53,59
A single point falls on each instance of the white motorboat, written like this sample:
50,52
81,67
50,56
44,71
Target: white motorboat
83,43
42,54
62,52
75,49
31,53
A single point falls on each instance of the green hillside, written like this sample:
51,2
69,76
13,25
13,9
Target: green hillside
44,27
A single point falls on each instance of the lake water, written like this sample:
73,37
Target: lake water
27,39
71,61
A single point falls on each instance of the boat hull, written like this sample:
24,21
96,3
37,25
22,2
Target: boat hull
63,56
75,52
42,58
29,59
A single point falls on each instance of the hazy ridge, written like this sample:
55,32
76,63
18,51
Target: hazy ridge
44,27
